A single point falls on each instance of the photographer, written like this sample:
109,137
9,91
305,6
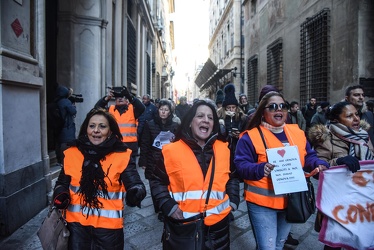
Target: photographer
126,110
68,111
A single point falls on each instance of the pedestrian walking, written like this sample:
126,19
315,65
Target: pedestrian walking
92,184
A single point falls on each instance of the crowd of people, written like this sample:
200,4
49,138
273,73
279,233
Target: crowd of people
181,147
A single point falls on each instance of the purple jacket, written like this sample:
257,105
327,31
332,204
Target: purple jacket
246,158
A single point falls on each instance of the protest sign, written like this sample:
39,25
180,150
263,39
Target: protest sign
287,175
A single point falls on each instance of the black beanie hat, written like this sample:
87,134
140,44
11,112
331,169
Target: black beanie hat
230,98
219,96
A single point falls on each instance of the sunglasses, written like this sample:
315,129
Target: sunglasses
274,107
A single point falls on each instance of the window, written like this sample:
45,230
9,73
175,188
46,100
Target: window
275,64
315,57
253,7
252,83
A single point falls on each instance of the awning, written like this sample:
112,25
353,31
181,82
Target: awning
207,71
215,77
209,75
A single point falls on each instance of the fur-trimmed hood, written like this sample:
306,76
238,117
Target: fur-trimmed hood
319,133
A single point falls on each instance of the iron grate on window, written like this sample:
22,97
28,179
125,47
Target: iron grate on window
148,80
252,83
131,52
275,64
315,57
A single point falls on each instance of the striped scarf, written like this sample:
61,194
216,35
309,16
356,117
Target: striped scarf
358,140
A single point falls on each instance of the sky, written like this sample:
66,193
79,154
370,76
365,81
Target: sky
191,32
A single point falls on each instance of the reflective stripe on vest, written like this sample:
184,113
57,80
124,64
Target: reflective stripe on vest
126,123
197,195
114,214
188,186
215,210
111,214
261,192
111,195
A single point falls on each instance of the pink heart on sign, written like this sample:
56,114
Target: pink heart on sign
281,152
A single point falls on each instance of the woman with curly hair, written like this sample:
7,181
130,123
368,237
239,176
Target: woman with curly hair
93,182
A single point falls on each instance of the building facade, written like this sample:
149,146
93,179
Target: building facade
225,62
86,45
308,48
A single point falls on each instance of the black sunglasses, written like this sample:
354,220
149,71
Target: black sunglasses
274,107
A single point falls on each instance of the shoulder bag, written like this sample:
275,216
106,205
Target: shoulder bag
187,234
53,233
300,205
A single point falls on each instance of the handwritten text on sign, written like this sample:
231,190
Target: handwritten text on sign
288,175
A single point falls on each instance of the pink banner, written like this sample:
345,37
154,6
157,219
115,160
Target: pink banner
347,200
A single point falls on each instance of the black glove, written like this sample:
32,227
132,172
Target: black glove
61,197
135,195
127,94
350,161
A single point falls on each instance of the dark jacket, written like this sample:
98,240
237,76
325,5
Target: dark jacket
148,114
160,180
308,113
68,112
217,235
181,110
148,153
138,106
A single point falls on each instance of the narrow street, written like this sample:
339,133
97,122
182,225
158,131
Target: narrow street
143,229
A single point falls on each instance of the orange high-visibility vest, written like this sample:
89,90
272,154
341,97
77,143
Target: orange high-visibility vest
261,192
111,214
188,186
126,123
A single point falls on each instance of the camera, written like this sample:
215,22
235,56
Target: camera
118,91
76,98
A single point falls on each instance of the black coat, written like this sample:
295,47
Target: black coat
218,234
149,154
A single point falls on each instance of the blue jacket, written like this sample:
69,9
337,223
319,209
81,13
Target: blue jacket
148,114
68,112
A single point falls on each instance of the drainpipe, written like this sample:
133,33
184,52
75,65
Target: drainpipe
40,15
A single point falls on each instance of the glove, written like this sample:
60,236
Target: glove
127,94
350,161
135,195
61,198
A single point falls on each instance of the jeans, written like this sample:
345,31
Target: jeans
269,225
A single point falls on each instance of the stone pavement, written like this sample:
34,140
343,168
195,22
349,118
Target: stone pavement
143,229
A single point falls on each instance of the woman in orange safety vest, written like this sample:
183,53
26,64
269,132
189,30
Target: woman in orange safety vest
265,209
92,184
182,175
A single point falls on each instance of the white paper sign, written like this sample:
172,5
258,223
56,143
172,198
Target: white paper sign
163,138
287,175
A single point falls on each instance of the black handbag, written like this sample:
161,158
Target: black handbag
301,205
53,233
186,234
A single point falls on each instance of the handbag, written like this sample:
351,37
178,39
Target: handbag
186,234
53,233
300,205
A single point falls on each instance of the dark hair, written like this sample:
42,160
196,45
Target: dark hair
257,115
164,102
293,103
113,125
335,110
350,88
187,118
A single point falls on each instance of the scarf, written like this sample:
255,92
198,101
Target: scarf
275,130
92,183
357,140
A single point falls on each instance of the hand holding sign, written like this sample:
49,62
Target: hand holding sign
287,175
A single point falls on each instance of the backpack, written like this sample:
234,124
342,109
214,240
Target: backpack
55,121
